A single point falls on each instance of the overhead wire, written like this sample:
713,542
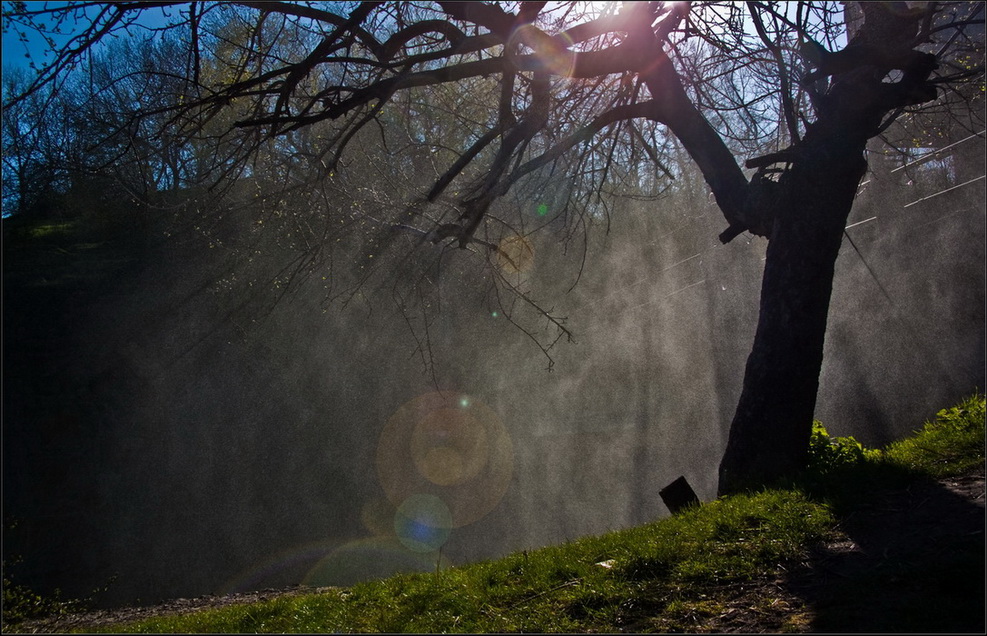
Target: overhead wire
870,270
955,187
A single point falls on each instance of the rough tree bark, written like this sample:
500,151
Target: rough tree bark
769,435
808,208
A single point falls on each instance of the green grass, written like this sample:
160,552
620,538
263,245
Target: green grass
951,444
655,577
592,583
52,230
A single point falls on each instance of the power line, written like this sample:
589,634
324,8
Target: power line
928,156
858,223
639,282
935,152
908,205
867,265
870,271
654,300
941,218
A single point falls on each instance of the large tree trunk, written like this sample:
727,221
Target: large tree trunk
771,428
804,215
770,431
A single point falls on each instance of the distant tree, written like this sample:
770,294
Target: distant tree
34,154
576,94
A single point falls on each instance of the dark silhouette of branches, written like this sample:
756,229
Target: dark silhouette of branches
427,115
557,68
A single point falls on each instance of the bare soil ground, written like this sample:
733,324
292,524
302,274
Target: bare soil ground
910,561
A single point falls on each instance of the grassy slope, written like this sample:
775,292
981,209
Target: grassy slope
657,577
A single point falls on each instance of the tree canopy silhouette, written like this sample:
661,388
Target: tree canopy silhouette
773,102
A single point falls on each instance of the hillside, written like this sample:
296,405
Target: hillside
903,552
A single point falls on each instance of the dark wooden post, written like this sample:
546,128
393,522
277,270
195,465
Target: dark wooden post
678,495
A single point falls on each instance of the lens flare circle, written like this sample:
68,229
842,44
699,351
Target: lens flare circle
377,516
423,523
515,254
553,54
448,446
369,559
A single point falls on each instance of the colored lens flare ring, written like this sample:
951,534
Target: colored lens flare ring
449,446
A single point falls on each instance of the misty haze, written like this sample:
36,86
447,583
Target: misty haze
191,407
